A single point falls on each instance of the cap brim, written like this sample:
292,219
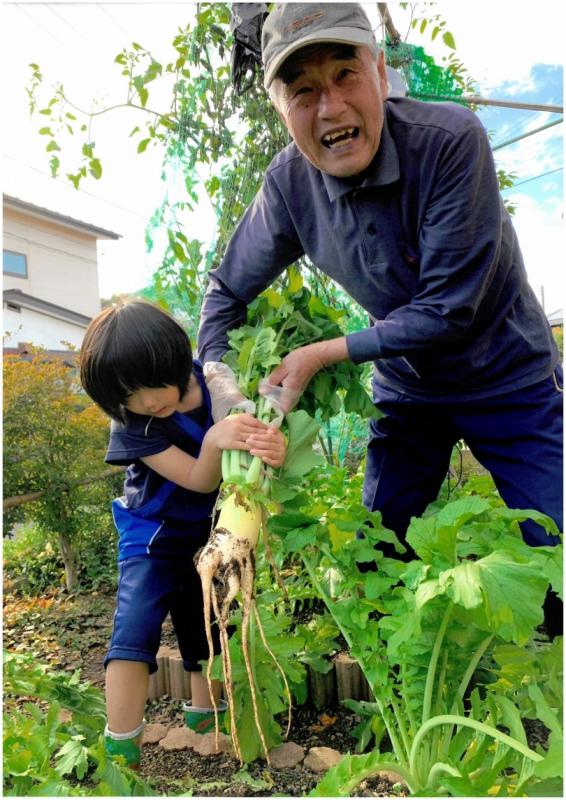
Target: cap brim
354,36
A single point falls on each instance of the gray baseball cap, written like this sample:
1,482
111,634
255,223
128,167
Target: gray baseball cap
291,26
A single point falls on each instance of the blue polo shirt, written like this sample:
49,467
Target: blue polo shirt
421,240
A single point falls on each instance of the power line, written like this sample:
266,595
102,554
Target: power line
40,246
535,178
516,128
528,133
21,8
488,101
70,25
115,21
83,191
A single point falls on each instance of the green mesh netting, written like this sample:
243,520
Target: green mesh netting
424,78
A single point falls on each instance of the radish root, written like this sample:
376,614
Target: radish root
226,566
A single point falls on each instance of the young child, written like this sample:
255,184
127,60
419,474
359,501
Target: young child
137,365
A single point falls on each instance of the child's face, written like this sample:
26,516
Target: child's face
160,402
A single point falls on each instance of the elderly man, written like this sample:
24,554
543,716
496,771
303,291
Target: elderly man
398,201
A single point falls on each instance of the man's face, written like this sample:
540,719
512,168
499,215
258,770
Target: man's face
332,105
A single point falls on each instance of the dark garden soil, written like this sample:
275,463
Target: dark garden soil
221,775
176,772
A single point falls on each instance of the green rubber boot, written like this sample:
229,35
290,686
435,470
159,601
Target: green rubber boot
126,745
201,720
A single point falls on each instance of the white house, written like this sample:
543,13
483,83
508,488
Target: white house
556,318
50,276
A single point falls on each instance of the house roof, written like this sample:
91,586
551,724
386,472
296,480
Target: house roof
556,317
19,298
68,222
68,357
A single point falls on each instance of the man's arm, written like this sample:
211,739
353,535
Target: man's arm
221,311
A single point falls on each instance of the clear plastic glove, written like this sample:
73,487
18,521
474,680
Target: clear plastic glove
280,398
225,393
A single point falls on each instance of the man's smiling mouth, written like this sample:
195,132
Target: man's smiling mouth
338,138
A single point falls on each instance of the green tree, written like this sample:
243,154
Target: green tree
54,443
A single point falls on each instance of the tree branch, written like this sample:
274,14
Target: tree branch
20,499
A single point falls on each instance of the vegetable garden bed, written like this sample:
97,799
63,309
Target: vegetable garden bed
449,642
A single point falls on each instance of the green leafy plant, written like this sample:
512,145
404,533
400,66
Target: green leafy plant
55,747
558,334
421,629
278,321
33,566
290,316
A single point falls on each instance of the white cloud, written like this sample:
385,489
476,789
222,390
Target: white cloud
518,88
548,187
499,41
538,121
542,239
534,155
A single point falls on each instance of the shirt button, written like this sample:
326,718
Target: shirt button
371,229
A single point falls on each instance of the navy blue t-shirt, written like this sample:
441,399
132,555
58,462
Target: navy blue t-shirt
145,436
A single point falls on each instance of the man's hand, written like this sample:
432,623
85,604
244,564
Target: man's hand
298,367
225,394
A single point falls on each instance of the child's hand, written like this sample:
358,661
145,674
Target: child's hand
270,445
234,432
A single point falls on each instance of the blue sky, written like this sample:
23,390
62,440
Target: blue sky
513,49
545,148
537,162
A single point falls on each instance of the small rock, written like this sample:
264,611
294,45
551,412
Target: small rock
319,759
286,755
154,732
179,739
391,776
205,744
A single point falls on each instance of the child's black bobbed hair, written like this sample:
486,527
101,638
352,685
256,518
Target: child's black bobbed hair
131,346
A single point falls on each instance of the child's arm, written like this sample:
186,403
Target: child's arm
203,474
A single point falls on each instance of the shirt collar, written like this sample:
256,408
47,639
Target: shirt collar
383,169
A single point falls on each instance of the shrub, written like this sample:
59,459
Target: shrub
31,565
54,443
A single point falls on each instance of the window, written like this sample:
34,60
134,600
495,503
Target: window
15,264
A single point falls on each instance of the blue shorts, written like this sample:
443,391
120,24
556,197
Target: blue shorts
516,436
149,588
